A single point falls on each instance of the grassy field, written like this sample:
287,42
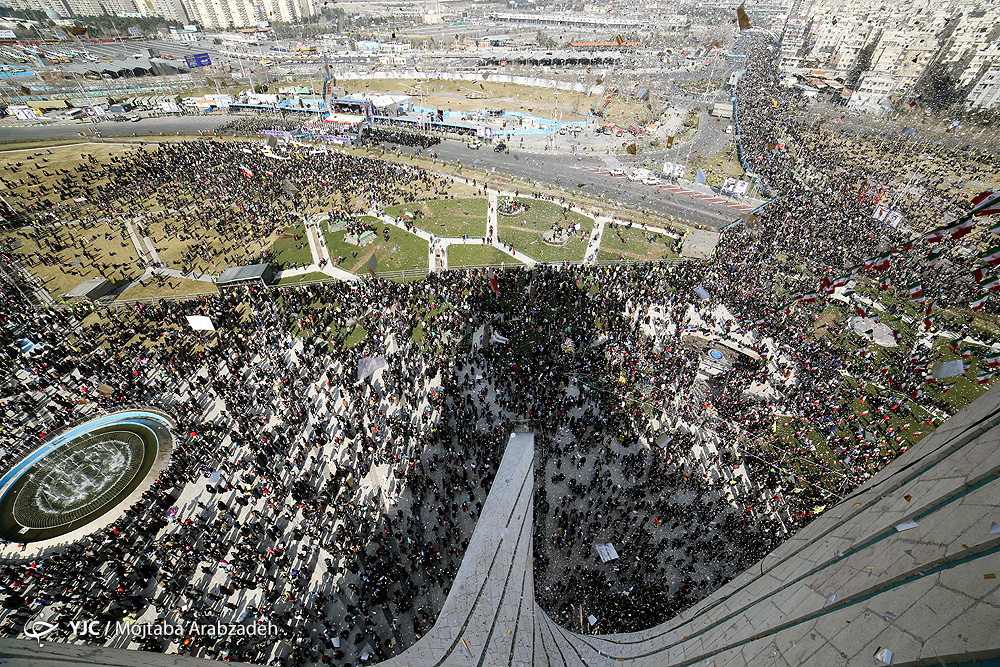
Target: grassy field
530,243
402,251
288,249
890,429
172,240
447,217
451,96
541,214
305,277
476,255
105,244
635,243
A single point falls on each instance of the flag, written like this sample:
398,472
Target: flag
810,298
492,275
246,170
966,352
984,378
882,262
990,257
741,17
990,284
930,306
979,303
408,215
916,291
986,203
935,236
884,283
961,228
993,359
934,256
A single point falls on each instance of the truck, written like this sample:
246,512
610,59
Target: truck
722,110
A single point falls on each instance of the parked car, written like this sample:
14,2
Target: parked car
500,148
617,171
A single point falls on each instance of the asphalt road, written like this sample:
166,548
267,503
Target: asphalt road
571,171
566,170
147,126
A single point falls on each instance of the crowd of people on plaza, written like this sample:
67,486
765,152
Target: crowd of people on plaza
344,504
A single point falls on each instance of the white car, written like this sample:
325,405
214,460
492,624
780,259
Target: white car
652,180
475,143
617,172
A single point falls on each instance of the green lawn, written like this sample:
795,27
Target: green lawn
530,243
447,217
287,249
305,277
634,244
542,214
402,251
477,255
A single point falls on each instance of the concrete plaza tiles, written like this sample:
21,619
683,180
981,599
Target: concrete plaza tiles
860,578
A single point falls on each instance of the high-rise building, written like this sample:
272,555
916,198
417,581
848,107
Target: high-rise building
247,13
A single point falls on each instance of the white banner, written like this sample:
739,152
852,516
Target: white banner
742,188
606,552
679,170
200,323
369,366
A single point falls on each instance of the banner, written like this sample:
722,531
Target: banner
606,552
369,366
200,323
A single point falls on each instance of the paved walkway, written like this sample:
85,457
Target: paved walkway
595,240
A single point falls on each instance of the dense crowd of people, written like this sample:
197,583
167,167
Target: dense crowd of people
344,504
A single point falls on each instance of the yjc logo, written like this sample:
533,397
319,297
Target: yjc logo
38,630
